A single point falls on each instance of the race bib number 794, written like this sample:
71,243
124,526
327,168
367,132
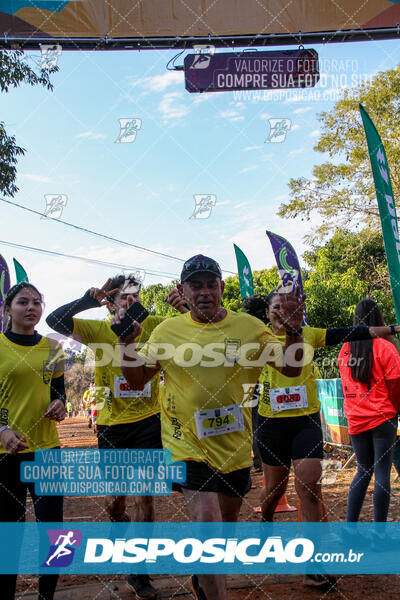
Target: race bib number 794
218,421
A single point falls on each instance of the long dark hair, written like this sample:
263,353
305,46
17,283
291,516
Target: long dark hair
258,305
12,292
367,313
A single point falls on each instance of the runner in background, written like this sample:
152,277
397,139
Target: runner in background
32,399
370,372
289,425
84,403
127,417
69,409
93,411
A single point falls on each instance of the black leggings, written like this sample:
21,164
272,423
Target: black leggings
12,509
374,451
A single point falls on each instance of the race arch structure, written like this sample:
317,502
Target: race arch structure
146,24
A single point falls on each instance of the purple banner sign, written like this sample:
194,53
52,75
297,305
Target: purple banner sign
288,263
4,286
276,69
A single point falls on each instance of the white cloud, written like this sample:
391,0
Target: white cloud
199,98
296,152
170,106
265,116
38,178
228,114
296,98
315,133
248,148
294,127
90,135
159,83
231,115
250,168
299,111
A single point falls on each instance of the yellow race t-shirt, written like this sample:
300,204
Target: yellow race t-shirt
272,379
117,402
210,371
25,377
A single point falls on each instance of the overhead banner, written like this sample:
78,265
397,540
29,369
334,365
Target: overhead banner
20,272
276,69
77,22
288,263
386,204
245,274
4,286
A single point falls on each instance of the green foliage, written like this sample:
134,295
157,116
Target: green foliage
341,190
77,380
345,270
14,70
264,282
9,152
152,298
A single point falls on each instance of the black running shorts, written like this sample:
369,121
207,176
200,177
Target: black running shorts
140,434
283,439
203,478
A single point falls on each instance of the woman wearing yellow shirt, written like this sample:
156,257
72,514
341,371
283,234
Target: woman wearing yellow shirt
32,398
288,424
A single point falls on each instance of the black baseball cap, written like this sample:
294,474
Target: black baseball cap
200,264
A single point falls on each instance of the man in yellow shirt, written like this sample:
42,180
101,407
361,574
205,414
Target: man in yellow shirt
211,358
127,416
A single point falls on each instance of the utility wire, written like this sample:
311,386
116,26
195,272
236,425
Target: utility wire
101,235
90,260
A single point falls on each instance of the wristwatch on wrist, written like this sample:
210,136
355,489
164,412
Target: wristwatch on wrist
294,333
392,329
4,427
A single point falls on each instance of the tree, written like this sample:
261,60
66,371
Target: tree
152,298
264,282
14,70
342,272
341,190
77,380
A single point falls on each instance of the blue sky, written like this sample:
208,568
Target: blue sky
188,144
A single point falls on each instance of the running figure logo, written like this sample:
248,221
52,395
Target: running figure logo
128,130
62,547
55,204
203,205
278,130
49,55
202,56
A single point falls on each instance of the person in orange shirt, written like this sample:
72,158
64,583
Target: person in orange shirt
370,372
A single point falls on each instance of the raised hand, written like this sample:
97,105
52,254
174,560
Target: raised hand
291,309
101,294
176,300
119,316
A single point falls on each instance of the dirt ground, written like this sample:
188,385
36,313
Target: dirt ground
74,433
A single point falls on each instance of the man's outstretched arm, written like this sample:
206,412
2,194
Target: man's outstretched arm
133,366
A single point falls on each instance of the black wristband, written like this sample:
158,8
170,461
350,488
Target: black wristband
294,333
392,330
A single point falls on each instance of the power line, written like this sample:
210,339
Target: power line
101,235
90,260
